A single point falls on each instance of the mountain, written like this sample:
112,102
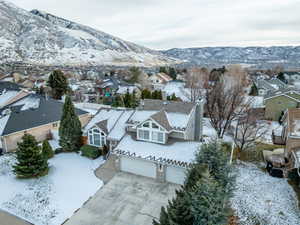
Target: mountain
40,38
256,57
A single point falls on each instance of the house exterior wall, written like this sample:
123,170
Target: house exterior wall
190,130
40,133
275,106
177,135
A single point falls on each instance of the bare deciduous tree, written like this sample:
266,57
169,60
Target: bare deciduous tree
224,105
195,81
248,130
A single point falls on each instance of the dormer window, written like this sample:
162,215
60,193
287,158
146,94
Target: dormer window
152,132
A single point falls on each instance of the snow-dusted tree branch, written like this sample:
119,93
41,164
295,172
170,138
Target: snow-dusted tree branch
224,103
195,80
248,130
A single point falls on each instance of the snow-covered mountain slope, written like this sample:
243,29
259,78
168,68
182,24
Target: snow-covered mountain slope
252,56
40,38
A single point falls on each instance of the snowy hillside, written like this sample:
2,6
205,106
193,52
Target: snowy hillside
39,38
259,57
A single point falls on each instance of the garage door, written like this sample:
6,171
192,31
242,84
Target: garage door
175,174
139,167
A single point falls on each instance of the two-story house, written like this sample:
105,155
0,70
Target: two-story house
157,140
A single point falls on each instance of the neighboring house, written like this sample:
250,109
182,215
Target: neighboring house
109,86
279,101
123,89
177,88
31,114
159,80
290,136
265,86
157,140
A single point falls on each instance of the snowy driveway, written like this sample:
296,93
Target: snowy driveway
125,200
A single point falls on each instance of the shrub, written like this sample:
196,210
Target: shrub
47,150
58,151
90,151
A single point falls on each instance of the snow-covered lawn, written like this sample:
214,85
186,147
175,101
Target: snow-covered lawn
52,199
262,199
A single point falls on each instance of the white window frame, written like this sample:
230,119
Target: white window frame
101,134
151,131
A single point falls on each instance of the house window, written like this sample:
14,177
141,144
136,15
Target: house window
144,134
150,131
96,137
157,136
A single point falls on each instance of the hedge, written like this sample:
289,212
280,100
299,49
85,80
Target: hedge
90,151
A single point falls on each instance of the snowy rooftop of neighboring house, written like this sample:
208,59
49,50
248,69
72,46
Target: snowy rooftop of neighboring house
183,151
161,76
3,121
124,89
177,88
5,96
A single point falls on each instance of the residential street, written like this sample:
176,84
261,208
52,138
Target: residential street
8,219
125,199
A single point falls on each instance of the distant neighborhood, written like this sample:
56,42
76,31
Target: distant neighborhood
165,126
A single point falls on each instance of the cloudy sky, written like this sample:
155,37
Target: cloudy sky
163,24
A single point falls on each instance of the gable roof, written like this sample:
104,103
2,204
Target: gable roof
288,92
162,119
103,126
168,106
48,111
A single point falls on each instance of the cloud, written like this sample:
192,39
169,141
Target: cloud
162,24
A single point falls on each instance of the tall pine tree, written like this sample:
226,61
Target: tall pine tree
70,128
58,83
30,160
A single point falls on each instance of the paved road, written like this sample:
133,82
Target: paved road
126,199
8,219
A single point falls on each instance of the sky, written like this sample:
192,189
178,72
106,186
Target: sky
165,24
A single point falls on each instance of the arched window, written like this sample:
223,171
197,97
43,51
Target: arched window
96,137
152,132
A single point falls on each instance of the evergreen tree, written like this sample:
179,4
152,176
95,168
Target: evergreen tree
47,150
253,91
172,73
58,83
135,74
208,202
173,97
134,101
159,95
154,95
216,159
70,128
30,161
281,77
163,69
127,100
194,174
178,210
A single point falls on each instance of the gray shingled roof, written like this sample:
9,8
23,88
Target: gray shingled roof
162,119
49,111
280,92
103,126
9,86
168,106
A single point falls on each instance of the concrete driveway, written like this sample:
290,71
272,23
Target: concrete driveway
8,219
126,199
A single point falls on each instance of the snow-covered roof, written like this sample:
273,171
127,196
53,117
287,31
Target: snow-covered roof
30,102
255,101
124,89
111,115
177,88
3,121
118,130
6,96
183,151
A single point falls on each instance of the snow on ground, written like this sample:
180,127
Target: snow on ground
52,199
208,130
181,151
270,126
262,199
